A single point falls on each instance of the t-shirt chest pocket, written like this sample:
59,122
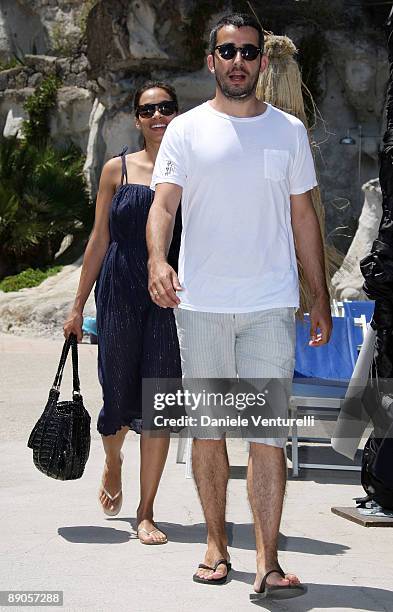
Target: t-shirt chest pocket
276,164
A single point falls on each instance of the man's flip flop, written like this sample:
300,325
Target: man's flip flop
277,592
222,580
158,542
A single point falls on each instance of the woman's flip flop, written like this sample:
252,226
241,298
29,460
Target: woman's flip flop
113,498
277,592
154,543
222,580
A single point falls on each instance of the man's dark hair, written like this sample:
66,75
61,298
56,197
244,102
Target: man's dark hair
239,20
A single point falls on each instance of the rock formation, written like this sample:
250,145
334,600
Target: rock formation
108,47
348,281
42,310
104,49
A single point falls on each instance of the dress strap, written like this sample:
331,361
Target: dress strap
124,165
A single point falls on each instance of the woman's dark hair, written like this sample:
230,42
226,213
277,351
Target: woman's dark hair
152,85
239,20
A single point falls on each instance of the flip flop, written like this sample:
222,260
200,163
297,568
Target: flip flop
113,498
149,533
216,581
277,592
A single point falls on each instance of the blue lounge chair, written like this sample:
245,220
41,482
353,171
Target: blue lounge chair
322,376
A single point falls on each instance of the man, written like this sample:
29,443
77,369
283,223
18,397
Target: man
244,172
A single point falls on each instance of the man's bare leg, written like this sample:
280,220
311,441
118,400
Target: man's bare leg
211,473
266,478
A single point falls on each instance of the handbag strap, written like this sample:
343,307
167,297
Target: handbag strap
70,342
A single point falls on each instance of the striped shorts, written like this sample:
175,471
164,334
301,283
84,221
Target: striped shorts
255,346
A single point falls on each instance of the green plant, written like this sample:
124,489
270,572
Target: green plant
11,63
43,198
64,43
43,194
27,278
36,128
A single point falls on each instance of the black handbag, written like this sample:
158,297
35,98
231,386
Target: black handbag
61,437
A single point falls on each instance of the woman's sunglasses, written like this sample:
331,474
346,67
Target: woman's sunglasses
229,51
166,108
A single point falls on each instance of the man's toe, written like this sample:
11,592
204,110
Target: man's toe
220,572
279,582
202,574
293,579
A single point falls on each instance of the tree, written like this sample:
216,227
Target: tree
43,194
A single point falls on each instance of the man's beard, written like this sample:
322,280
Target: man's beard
236,92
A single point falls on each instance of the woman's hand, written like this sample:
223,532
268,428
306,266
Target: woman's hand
73,325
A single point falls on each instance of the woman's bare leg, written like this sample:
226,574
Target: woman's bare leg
112,469
154,451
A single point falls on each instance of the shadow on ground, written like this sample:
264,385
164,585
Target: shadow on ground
333,597
240,536
319,596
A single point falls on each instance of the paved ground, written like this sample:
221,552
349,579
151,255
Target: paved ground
55,536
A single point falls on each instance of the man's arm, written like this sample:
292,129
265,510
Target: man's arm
163,280
309,248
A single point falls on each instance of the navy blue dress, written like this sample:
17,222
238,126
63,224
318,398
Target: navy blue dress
136,338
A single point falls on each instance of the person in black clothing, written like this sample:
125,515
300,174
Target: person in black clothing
136,338
377,267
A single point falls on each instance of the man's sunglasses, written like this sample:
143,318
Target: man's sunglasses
248,52
166,108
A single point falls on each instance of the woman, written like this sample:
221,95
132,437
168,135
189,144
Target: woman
136,338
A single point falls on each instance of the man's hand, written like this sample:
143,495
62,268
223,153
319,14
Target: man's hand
309,249
163,283
320,318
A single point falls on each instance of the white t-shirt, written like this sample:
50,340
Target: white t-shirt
237,250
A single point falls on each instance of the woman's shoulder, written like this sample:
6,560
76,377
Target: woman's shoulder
139,167
111,172
112,167
113,164
135,159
